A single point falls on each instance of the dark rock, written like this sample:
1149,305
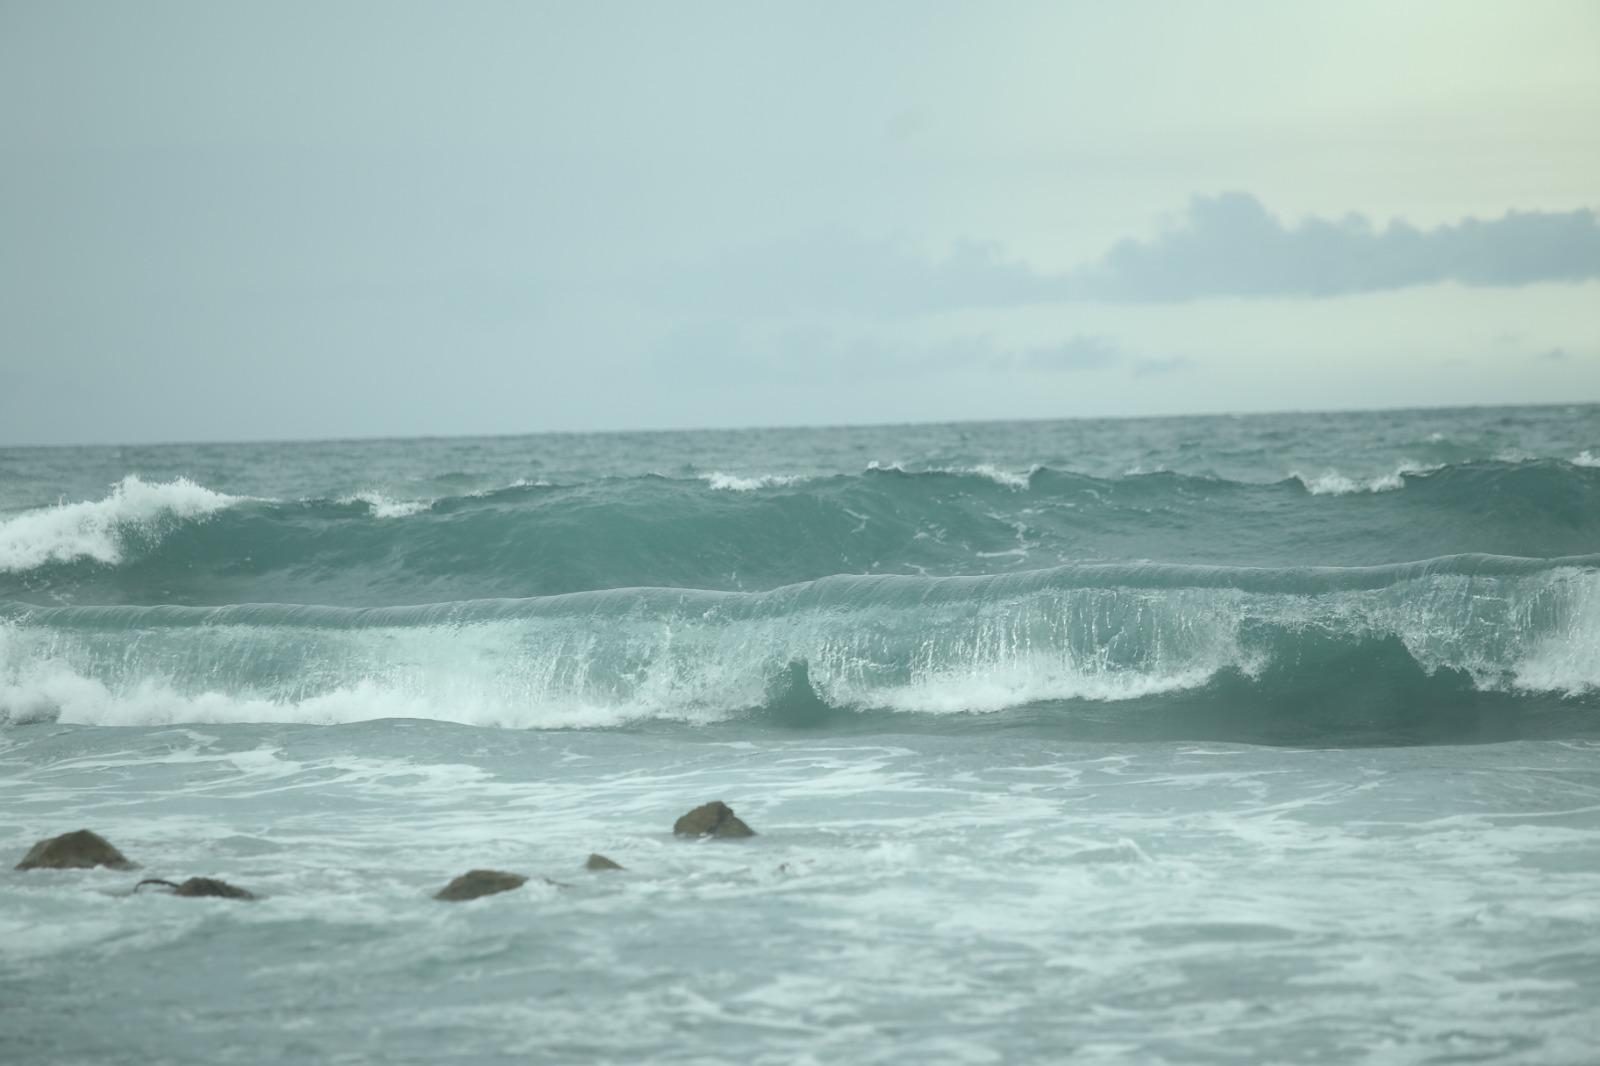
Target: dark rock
714,819
210,886
200,886
600,862
74,851
475,883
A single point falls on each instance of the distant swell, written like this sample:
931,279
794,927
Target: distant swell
1439,634
179,542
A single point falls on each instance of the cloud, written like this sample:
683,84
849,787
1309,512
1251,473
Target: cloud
743,351
1080,353
1222,246
1229,245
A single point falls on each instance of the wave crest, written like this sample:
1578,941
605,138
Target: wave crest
737,483
382,506
1333,483
100,529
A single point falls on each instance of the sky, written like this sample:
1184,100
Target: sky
224,221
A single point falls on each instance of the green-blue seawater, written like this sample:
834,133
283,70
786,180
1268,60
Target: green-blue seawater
1230,739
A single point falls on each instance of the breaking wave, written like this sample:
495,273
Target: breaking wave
135,512
1174,644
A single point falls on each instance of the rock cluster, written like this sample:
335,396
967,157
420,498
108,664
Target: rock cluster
83,849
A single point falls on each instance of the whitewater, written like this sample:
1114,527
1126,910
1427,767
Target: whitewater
1216,739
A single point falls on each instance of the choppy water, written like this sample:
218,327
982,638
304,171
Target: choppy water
1183,740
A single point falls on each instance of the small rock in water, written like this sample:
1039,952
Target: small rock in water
200,886
74,851
210,886
600,862
475,883
714,819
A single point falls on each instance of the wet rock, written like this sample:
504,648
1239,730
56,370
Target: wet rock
600,862
74,851
475,883
210,886
714,819
200,886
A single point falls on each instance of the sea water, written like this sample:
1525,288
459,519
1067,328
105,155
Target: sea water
1256,739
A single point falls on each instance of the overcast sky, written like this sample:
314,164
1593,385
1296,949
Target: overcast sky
240,221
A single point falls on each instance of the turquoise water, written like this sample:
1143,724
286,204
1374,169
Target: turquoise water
1184,740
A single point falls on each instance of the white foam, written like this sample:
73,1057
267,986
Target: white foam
1333,483
53,692
1010,479
1586,458
1564,661
97,529
520,483
1019,683
473,675
383,506
737,483
58,694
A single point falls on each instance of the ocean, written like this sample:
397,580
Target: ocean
1264,739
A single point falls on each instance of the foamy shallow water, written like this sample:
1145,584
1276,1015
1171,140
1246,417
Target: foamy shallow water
991,897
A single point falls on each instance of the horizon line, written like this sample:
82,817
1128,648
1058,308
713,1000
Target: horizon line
661,430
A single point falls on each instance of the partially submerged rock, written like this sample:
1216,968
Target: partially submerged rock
475,883
74,851
714,819
200,886
598,861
